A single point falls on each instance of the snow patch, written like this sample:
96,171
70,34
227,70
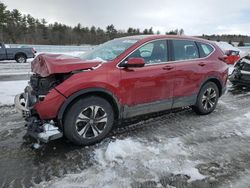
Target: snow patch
123,162
9,89
117,151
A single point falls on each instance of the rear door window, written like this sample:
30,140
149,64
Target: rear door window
185,50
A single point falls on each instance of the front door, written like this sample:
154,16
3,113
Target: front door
150,88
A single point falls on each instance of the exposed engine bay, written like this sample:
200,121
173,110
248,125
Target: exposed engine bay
42,85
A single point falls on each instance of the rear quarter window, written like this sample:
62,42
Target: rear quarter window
205,49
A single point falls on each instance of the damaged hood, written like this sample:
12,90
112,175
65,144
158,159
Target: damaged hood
47,64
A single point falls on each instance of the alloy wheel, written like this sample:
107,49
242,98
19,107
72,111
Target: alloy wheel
91,122
209,98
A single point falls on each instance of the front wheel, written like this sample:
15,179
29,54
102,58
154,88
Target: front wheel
88,120
21,58
207,99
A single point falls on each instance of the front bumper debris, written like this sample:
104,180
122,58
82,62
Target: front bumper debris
24,102
21,105
43,131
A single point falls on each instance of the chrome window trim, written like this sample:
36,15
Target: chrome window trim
168,54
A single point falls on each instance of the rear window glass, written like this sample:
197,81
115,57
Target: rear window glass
205,49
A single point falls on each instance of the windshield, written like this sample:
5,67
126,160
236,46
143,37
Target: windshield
109,50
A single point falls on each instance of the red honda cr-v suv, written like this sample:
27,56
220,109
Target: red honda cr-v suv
82,97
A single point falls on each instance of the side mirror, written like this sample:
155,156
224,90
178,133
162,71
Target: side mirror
135,62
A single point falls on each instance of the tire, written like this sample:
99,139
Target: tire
88,120
207,99
21,58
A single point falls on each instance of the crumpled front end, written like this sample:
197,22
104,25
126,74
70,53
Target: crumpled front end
40,112
241,72
40,102
50,64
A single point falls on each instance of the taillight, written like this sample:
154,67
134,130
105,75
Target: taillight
33,50
223,58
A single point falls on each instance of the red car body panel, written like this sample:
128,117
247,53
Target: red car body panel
49,107
47,64
146,84
104,77
130,86
187,78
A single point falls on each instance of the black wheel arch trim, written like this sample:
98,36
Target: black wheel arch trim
212,78
90,91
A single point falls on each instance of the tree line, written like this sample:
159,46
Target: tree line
19,28
239,39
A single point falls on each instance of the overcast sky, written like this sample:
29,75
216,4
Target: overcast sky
195,17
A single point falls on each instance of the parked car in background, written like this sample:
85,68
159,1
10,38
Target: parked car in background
81,98
232,56
19,54
241,73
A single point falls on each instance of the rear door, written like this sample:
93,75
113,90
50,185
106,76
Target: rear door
188,74
149,88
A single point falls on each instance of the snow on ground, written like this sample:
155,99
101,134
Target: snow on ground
242,182
7,69
149,157
9,89
129,160
122,162
202,151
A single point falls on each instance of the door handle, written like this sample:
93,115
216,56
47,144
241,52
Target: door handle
202,64
168,67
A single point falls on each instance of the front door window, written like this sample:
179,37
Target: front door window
153,52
